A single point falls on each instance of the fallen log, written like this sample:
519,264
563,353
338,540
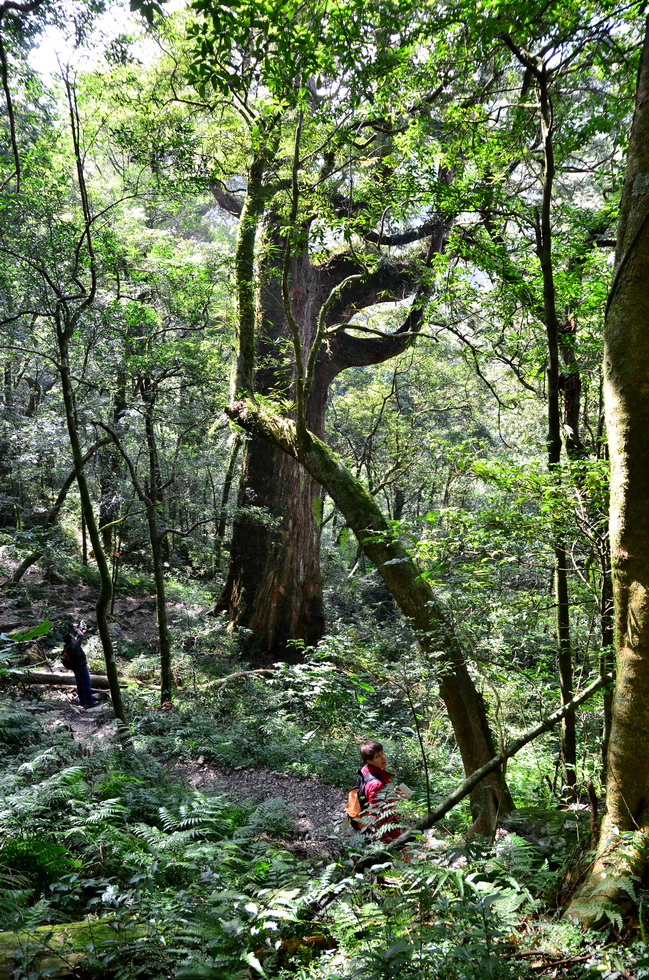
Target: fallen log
222,681
55,950
98,681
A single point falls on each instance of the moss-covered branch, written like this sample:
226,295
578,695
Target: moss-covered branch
411,591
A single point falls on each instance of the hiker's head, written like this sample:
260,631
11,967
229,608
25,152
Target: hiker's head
373,753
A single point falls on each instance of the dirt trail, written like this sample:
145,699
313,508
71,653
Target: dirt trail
316,807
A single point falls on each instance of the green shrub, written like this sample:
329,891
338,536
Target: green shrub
17,730
38,860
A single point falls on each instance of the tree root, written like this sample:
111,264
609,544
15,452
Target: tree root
222,681
620,863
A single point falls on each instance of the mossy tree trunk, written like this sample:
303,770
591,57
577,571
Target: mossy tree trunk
624,838
415,598
273,591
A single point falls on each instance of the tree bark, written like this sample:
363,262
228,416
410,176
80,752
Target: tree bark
552,327
273,593
607,660
624,838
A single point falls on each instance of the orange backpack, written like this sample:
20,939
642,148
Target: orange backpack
357,800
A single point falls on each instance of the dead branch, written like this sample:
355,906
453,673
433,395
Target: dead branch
56,680
261,672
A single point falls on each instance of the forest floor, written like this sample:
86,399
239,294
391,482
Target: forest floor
316,807
232,749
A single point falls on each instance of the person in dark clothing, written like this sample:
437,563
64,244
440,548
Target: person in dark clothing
75,659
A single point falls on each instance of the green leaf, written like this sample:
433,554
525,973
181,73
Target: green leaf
252,961
149,9
32,633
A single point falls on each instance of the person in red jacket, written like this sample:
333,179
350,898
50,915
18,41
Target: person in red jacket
383,823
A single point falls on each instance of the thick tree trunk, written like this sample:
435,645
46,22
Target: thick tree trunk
624,838
273,592
413,595
274,589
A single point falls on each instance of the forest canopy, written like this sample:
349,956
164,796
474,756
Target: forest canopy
322,419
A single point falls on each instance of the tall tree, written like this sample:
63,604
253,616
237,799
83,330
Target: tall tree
284,419
350,146
624,836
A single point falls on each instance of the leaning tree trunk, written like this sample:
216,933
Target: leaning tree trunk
105,579
624,838
437,635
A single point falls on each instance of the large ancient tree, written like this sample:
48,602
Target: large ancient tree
279,398
363,234
624,837
274,587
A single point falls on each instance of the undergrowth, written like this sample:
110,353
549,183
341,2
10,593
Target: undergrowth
193,884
